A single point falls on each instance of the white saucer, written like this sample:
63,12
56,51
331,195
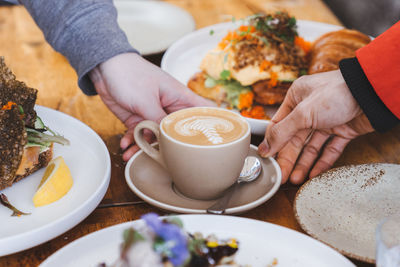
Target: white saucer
151,182
152,26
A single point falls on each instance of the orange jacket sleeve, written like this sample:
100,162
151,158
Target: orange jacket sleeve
380,61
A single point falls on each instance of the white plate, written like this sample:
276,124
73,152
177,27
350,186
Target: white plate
183,58
89,162
259,244
343,206
152,26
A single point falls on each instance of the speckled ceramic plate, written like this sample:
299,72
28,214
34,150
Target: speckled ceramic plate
343,206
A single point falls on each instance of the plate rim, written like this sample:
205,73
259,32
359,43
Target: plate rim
234,210
69,220
236,221
309,232
166,5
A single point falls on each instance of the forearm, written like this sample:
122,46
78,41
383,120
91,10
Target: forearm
84,31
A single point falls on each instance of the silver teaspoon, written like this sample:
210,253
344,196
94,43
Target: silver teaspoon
251,170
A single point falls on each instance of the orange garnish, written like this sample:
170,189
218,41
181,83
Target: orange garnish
265,64
225,41
303,44
273,80
233,36
245,113
245,100
257,112
245,28
8,106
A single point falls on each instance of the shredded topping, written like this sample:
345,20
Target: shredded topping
267,40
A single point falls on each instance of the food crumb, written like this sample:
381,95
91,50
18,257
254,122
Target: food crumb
273,263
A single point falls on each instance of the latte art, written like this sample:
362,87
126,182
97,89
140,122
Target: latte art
209,126
205,126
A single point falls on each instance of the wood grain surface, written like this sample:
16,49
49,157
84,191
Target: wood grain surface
37,64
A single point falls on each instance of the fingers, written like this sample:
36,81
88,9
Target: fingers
197,101
128,153
308,156
278,134
284,109
127,140
287,157
130,123
331,153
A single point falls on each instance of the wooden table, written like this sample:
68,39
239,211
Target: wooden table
36,63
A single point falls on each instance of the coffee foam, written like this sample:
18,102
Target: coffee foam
204,126
209,126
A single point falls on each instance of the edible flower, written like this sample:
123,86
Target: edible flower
170,242
212,244
232,243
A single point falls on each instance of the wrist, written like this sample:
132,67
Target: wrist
119,61
380,117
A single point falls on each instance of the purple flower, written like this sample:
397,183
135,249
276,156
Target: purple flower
175,242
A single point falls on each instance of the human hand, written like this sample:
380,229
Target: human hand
135,90
317,119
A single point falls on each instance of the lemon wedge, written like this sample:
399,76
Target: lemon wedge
56,182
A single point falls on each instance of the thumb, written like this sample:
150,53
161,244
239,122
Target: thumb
176,96
278,134
193,99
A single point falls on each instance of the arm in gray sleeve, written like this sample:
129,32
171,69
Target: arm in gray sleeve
84,31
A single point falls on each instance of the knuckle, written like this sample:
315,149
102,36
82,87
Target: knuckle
311,150
285,161
296,141
302,79
273,132
304,114
333,150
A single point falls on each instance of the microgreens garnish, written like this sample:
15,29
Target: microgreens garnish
225,74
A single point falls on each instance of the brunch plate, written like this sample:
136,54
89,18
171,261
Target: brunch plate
260,243
152,26
89,161
182,59
343,206
148,180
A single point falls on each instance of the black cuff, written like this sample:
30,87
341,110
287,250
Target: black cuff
380,117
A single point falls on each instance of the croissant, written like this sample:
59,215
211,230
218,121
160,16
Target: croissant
332,47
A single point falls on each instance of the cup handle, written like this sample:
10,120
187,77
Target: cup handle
144,145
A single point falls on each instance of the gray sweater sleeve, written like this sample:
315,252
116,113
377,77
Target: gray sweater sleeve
84,31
